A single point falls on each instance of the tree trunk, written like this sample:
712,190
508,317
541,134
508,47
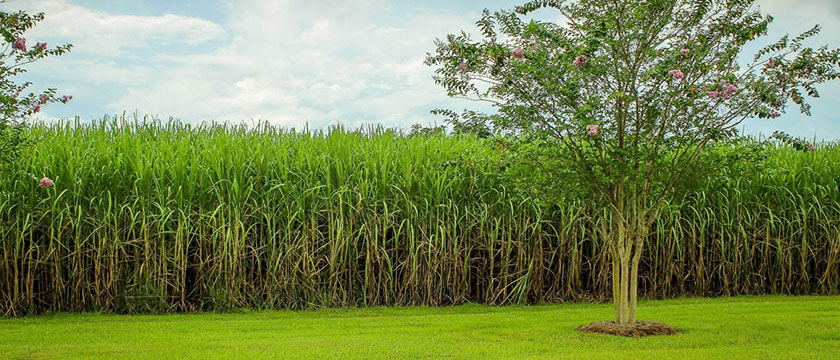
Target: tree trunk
626,244
616,283
622,260
625,289
634,278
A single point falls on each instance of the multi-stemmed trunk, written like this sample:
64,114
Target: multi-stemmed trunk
625,231
626,256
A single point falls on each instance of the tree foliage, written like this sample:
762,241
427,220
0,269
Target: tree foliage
620,102
16,105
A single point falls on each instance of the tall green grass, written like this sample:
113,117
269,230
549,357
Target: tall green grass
162,216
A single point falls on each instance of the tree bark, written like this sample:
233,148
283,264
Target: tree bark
625,289
634,278
616,282
626,244
607,231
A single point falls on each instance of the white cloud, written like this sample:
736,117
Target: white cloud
104,34
295,61
292,63
794,17
798,15
97,71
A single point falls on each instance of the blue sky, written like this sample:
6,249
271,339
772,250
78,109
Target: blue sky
297,62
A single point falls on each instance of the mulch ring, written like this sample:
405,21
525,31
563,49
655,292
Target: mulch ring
637,330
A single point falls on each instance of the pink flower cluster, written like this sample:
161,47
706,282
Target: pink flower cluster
592,130
685,51
518,53
66,98
19,44
46,182
461,67
41,46
677,74
43,99
775,114
727,90
771,63
580,60
811,147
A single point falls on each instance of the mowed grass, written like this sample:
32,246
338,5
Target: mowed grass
767,327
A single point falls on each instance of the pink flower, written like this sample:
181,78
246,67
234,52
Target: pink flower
811,147
518,53
16,95
46,182
730,88
37,108
19,44
592,130
771,63
44,98
677,74
41,46
66,98
775,114
726,92
685,51
580,60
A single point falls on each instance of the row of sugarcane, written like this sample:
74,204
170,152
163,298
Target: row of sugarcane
167,217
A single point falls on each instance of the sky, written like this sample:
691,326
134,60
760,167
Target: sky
301,62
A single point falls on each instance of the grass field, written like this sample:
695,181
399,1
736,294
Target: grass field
767,327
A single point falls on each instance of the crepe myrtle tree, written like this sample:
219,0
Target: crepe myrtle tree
630,95
16,104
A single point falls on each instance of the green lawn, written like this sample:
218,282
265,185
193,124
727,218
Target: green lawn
743,328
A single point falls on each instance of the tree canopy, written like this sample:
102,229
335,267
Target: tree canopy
623,98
